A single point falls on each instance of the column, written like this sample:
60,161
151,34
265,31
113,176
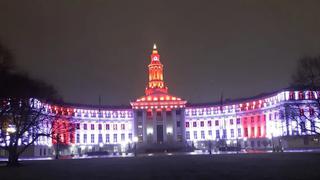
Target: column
154,126
164,119
183,125
144,126
134,125
174,125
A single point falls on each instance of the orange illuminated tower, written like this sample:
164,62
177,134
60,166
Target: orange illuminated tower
156,92
156,83
159,116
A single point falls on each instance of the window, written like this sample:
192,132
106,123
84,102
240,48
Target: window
122,126
99,126
258,143
210,132
291,95
259,131
217,134
238,121
78,126
201,123
139,113
187,135
194,124
168,113
252,131
115,138
311,111
232,132
123,137
107,127
310,95
224,134
107,138
108,114
217,123
208,111
301,95
159,113
239,132
85,138
187,124
114,126
258,119
85,126
92,126
149,113
209,124
100,138
92,138
252,119
202,135
245,132
71,138
78,138
130,136
301,112
231,121
195,135
178,123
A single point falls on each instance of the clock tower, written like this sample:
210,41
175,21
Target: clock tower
159,120
156,83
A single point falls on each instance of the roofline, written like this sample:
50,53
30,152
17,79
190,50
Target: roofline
226,102
241,100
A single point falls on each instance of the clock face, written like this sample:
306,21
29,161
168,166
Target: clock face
155,58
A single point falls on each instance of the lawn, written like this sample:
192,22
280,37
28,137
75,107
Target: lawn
233,166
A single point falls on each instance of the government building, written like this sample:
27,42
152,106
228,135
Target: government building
159,121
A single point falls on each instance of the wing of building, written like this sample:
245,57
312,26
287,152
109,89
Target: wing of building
160,121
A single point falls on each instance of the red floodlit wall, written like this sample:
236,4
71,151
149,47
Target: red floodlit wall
64,130
254,126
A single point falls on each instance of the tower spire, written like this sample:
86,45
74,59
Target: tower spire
154,50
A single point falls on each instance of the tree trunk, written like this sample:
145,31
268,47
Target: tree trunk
13,157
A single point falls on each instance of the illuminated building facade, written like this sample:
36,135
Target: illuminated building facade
159,119
158,116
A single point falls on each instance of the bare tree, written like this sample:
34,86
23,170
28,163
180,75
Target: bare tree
24,115
305,113
23,122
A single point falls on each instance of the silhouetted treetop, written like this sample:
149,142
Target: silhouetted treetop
15,84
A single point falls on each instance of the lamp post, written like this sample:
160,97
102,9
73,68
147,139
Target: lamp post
135,140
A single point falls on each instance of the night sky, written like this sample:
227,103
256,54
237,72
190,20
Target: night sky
90,48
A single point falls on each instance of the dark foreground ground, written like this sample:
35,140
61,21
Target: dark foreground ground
234,166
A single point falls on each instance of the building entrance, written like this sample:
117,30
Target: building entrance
159,133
